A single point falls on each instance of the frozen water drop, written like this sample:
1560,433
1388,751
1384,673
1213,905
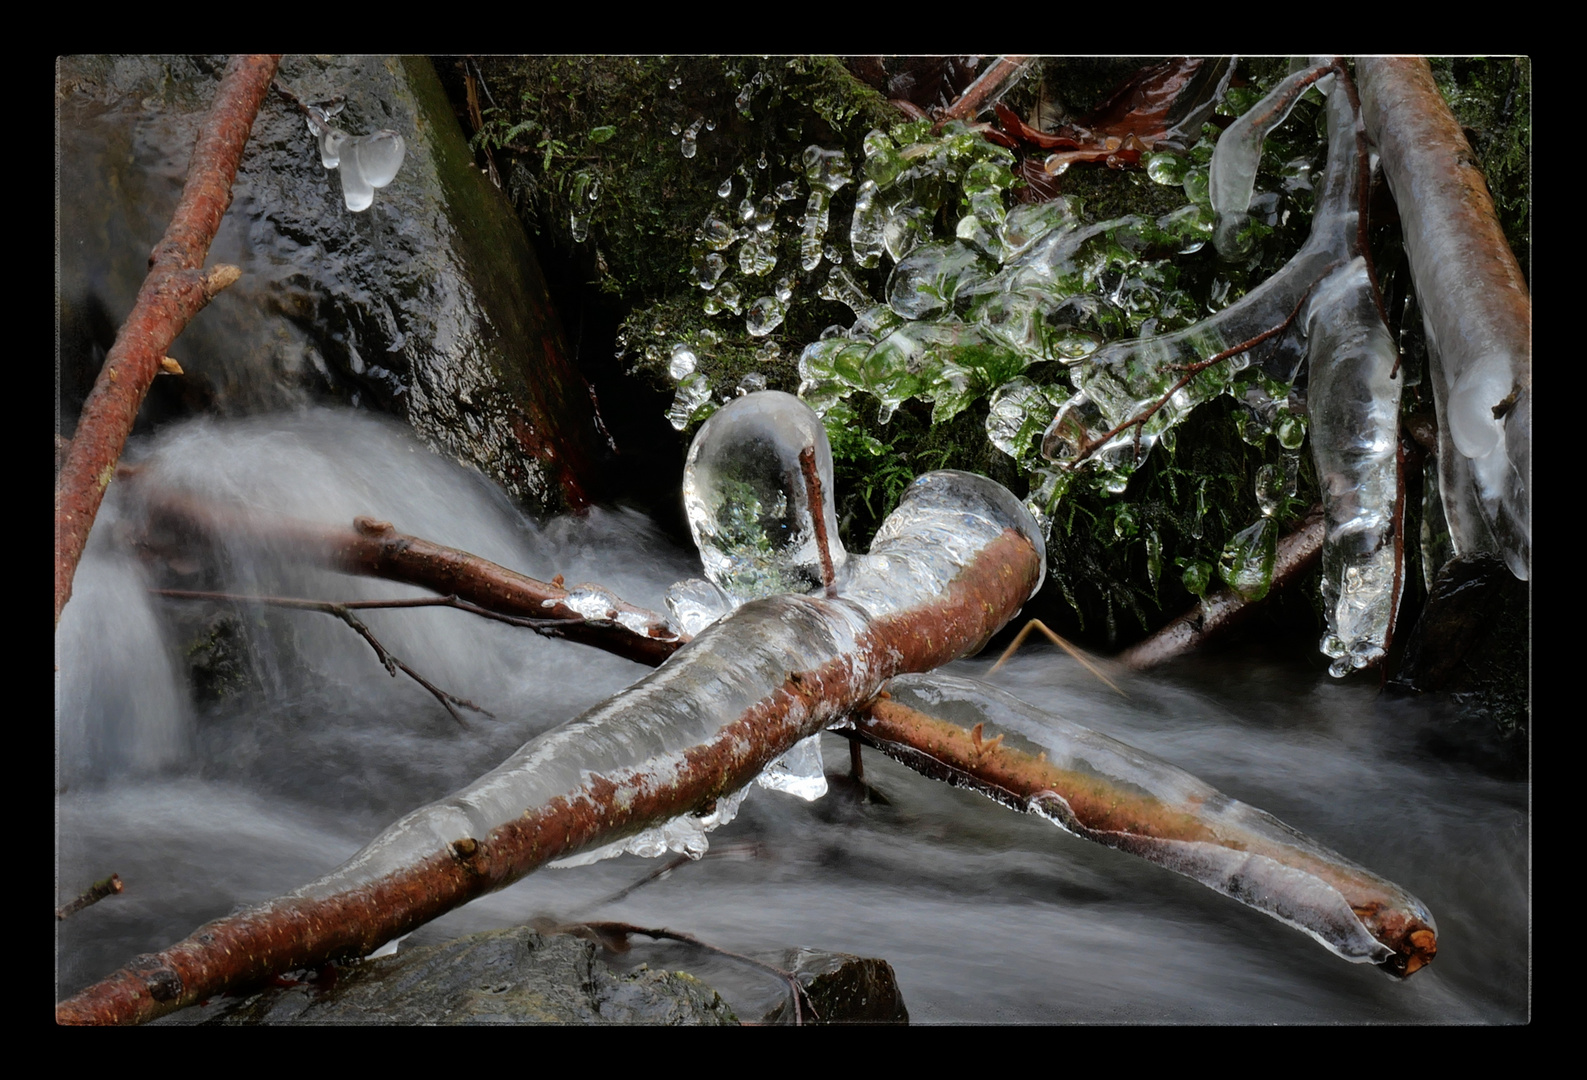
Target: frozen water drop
694,604
745,494
799,772
379,156
726,189
765,315
683,362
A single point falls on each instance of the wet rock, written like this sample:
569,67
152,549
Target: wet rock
429,304
844,989
513,976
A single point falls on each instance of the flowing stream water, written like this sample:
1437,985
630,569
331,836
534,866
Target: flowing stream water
986,915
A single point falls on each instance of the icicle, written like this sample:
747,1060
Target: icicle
1232,175
1355,411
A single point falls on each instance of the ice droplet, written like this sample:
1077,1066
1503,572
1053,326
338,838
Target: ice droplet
694,394
1246,564
799,772
726,189
765,315
689,146
682,363
694,604
746,498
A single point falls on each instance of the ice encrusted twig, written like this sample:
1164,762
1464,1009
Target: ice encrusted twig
1476,309
1113,794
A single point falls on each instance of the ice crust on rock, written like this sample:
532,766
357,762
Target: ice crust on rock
1262,863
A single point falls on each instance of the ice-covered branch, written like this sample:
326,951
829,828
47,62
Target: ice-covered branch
175,291
1113,794
1476,308
951,566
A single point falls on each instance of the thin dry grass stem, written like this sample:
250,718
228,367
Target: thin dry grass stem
1079,656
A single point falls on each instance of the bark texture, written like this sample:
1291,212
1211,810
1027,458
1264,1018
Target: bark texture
302,930
175,290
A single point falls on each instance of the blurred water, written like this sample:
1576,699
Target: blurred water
987,915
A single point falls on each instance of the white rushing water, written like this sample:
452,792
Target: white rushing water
987,915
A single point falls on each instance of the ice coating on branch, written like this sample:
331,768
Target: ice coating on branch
643,741
367,162
1141,804
1121,380
694,604
1476,311
942,520
1355,407
1232,176
745,494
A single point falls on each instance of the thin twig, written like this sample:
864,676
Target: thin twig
717,851
96,892
818,515
992,82
1138,421
1080,657
344,612
801,999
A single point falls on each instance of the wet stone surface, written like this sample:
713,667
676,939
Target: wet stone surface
514,976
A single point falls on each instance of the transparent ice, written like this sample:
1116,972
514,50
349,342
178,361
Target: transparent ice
1253,858
367,162
641,740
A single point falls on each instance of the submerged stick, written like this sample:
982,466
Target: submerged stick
1118,796
746,690
175,291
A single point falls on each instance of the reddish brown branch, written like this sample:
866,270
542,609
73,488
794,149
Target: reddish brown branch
1297,554
1118,814
375,549
175,291
309,927
96,892
818,517
991,83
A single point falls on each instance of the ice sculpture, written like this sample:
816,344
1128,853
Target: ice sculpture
770,674
366,162
1476,310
